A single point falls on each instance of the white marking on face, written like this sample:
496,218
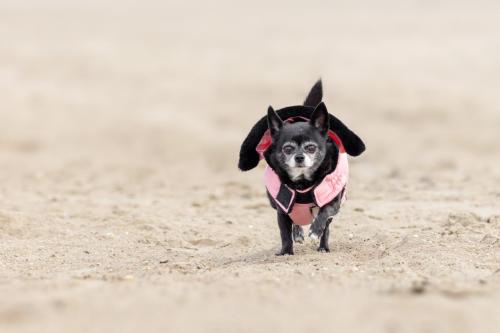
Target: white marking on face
290,161
308,161
296,172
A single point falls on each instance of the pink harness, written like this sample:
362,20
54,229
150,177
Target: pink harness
301,205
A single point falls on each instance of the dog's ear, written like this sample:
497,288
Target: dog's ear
315,95
274,121
353,144
319,118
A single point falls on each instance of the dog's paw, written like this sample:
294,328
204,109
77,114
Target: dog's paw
323,249
313,235
298,234
315,232
285,252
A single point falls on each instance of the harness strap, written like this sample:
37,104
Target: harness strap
304,197
285,197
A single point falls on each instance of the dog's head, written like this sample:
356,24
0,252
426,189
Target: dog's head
299,148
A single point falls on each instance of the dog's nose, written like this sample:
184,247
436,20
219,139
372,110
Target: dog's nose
299,158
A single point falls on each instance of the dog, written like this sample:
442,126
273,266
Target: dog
307,171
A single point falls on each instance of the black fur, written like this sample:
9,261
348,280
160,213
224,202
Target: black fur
249,158
327,166
285,225
321,224
315,96
274,122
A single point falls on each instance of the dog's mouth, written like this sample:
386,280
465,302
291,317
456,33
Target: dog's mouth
300,167
298,172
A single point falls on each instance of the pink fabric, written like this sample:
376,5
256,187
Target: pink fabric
331,186
301,214
333,183
273,185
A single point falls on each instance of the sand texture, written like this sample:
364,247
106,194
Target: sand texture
121,206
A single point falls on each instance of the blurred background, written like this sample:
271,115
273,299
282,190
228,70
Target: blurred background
121,206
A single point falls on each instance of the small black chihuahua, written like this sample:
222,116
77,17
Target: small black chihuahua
306,150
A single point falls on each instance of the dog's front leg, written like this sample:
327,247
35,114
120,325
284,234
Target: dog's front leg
322,221
323,243
285,224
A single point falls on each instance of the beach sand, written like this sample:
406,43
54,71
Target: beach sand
122,208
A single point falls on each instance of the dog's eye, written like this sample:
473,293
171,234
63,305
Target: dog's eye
288,149
311,149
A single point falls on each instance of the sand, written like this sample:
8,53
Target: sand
121,207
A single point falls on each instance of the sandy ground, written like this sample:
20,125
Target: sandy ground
121,208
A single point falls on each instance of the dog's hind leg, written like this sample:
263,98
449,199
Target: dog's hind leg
298,234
